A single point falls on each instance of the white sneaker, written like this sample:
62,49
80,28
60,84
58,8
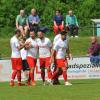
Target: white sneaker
67,83
76,36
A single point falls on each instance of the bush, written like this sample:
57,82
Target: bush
83,9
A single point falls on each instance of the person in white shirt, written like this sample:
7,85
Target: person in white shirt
16,58
60,49
32,52
24,61
45,45
57,38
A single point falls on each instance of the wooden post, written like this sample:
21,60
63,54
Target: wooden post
93,28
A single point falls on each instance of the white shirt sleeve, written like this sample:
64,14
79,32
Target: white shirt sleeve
16,43
49,43
56,38
55,47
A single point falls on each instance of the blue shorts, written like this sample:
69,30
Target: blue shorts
95,59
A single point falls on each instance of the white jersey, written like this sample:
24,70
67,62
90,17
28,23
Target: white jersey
23,54
14,42
57,37
33,51
44,47
60,46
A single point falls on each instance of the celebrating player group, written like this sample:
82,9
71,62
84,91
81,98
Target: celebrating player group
25,53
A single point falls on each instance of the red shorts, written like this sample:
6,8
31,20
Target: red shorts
44,62
31,62
60,63
16,63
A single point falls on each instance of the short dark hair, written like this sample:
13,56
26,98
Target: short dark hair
63,32
58,10
32,30
40,30
17,31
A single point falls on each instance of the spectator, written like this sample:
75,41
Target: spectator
34,20
94,50
22,23
72,24
58,22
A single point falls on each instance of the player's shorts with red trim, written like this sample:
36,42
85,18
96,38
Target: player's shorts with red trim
31,62
16,63
44,62
60,63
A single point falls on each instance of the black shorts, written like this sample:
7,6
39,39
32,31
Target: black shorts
25,65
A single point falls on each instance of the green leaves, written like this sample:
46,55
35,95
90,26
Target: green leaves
83,9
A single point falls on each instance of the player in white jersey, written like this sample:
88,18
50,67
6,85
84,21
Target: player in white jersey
16,58
56,38
24,63
32,51
60,49
24,60
56,81
45,45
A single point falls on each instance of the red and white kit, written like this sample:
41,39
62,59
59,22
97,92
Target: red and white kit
15,56
60,59
32,52
44,55
44,51
32,58
16,60
60,47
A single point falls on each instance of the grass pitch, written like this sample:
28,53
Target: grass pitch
80,90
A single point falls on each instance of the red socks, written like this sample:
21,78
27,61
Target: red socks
43,75
54,75
64,75
13,75
49,74
29,79
19,76
32,76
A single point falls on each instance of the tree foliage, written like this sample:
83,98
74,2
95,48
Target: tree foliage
83,9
